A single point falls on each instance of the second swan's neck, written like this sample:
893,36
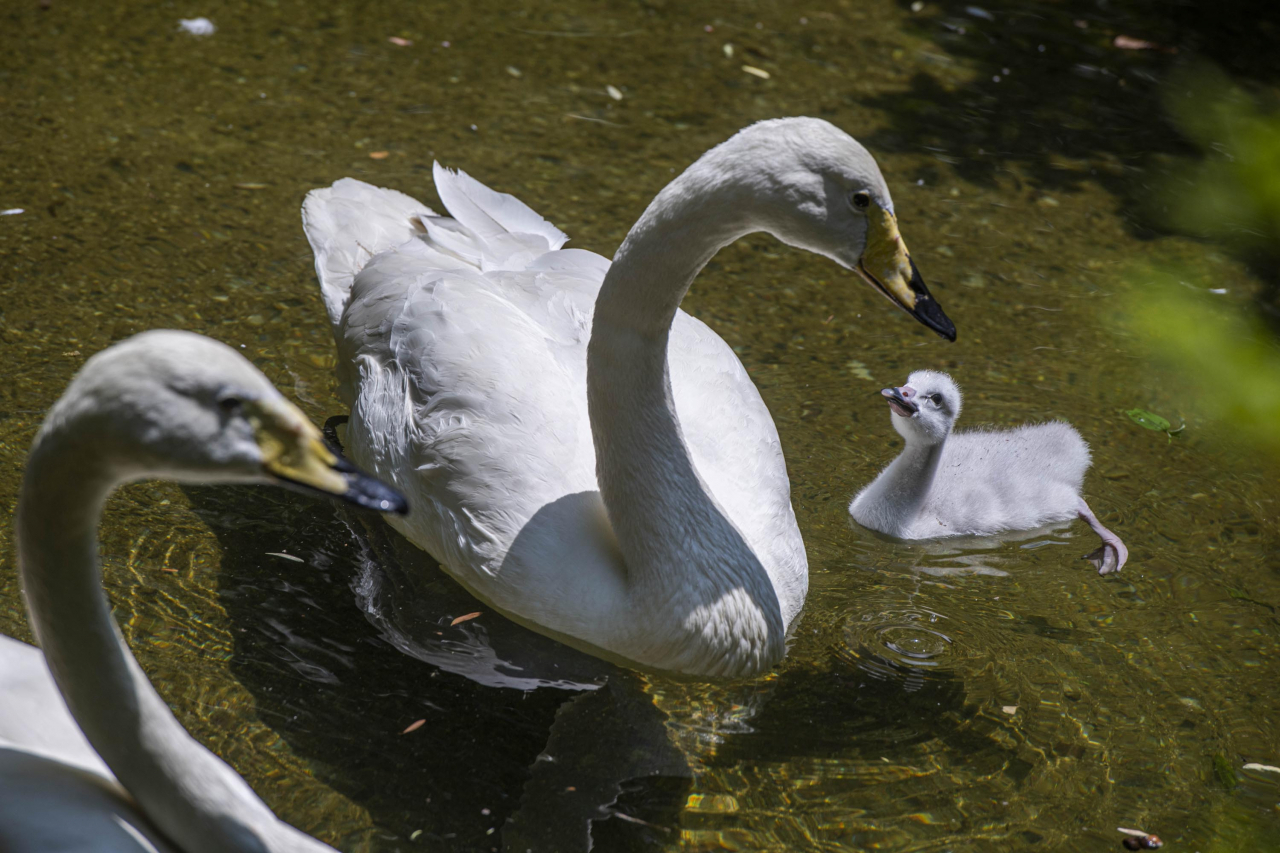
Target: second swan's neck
681,550
189,793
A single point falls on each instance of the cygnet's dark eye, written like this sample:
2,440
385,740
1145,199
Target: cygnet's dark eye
936,399
861,200
230,404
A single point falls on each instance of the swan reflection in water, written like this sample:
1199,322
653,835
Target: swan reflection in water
515,720
549,747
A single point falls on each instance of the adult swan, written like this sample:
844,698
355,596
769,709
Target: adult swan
161,404
579,452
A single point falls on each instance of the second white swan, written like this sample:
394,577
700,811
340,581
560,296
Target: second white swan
580,453
91,758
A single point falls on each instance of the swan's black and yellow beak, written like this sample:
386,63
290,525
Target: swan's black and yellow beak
887,266
900,404
294,454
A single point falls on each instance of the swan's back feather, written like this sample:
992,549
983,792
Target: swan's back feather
1031,453
56,792
994,480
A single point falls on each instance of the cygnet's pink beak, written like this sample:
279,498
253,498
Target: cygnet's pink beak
901,400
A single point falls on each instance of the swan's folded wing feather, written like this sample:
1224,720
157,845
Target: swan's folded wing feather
576,264
488,213
349,223
471,349
471,389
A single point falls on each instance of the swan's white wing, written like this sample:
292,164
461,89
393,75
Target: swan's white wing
56,793
47,806
473,400
737,453
33,715
472,393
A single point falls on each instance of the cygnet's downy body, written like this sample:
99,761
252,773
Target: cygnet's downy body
980,482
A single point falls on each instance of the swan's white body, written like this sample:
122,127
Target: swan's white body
579,452
979,482
91,759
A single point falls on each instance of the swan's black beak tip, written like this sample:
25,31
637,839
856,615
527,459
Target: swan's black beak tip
930,314
927,310
368,492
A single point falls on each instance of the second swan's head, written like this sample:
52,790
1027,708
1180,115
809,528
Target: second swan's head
185,407
926,408
814,187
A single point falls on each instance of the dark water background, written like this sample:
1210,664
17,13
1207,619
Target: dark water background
994,696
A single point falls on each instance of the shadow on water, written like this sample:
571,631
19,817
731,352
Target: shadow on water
1047,94
497,764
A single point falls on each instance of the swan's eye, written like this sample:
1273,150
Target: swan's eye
230,404
861,200
936,399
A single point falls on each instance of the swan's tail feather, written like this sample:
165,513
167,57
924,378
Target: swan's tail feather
350,222
488,213
347,224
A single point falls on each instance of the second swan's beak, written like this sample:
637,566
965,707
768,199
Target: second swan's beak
294,453
887,266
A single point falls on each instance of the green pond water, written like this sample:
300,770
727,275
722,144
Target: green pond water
972,696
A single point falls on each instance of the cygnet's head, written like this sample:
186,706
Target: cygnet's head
926,408
182,406
814,187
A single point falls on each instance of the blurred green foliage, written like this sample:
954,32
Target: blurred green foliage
1229,355
1233,194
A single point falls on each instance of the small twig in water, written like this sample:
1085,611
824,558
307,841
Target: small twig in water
590,118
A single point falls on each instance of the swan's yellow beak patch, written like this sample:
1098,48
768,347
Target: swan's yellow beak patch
887,266
292,447
885,261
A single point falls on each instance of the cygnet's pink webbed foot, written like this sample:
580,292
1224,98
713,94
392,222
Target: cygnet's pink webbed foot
1108,557
1112,554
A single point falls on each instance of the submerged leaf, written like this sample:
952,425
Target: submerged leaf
1148,420
1224,771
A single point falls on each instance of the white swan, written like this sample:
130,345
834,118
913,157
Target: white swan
161,404
579,452
979,482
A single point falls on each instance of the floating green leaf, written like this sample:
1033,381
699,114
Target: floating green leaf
1149,420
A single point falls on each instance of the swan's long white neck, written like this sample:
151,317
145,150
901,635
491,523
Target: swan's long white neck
199,802
680,549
